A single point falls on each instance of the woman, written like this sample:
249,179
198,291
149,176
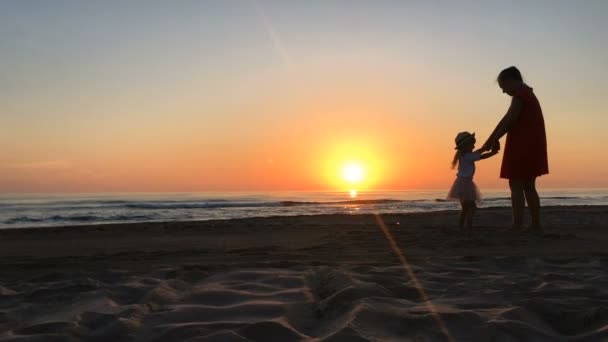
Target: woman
525,152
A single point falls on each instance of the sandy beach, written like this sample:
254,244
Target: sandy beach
397,277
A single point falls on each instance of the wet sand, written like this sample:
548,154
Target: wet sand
327,278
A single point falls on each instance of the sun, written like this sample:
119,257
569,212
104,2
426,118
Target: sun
353,173
353,166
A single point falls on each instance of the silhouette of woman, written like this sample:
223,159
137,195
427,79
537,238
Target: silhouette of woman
525,152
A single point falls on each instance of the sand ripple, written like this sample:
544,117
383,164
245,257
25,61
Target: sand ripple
495,299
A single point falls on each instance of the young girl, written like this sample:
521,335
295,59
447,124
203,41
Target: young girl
464,189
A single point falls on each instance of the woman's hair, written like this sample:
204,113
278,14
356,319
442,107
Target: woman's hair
510,73
456,157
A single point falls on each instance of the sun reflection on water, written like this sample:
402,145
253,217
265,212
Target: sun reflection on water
353,193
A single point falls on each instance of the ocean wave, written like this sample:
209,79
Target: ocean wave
369,201
78,218
563,197
203,205
46,212
229,204
496,199
64,203
24,219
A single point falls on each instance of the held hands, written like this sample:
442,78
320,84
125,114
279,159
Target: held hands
491,144
496,147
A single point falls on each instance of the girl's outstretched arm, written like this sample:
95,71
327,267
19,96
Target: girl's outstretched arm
488,155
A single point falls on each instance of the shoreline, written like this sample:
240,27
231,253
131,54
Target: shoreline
314,238
427,212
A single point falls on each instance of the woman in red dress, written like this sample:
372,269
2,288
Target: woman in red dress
525,152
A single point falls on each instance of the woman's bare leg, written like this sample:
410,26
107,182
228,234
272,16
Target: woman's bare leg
517,202
533,203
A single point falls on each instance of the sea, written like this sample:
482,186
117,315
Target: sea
47,210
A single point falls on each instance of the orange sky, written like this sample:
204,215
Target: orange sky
251,100
288,141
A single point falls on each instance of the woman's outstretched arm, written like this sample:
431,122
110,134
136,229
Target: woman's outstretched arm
484,155
505,124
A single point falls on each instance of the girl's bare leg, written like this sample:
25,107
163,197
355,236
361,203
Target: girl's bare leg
463,215
470,212
472,209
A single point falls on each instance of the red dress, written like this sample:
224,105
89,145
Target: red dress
525,152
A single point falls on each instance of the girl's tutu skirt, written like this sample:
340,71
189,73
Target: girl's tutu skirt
464,189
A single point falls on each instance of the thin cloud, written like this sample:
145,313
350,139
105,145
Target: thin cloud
41,165
274,36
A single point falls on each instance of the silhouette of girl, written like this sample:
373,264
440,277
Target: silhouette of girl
464,189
